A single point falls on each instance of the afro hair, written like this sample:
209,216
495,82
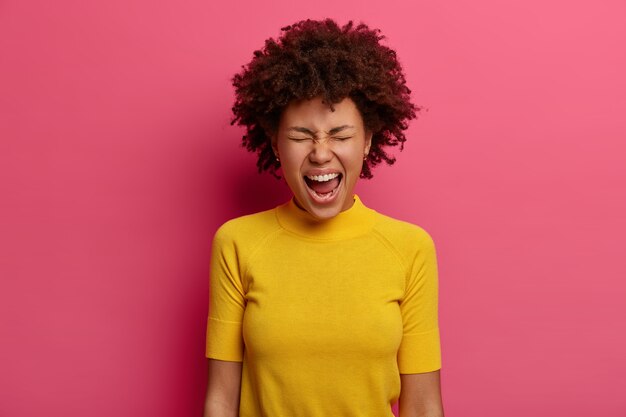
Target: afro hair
319,58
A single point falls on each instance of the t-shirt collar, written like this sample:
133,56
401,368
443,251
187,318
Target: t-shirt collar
355,221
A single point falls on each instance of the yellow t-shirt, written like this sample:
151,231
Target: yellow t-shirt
325,315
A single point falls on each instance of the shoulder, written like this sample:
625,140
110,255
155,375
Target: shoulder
405,237
413,245
247,230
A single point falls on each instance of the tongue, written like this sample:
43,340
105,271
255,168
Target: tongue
323,187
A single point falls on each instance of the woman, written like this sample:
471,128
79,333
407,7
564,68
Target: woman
322,306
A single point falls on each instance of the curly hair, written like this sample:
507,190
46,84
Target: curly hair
318,58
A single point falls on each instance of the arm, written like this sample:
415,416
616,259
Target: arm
224,340
420,395
223,388
419,357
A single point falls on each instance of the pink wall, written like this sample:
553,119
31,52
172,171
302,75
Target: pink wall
117,164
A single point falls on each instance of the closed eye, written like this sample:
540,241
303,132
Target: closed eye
339,138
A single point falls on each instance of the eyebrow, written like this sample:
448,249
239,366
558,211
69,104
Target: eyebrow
310,132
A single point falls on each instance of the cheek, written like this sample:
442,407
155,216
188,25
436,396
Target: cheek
291,160
352,157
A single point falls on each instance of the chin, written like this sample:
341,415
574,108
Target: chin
325,213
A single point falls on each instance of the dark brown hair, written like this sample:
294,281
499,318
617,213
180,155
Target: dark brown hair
318,58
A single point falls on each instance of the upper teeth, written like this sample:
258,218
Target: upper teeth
323,178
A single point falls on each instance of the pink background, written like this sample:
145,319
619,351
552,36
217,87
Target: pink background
117,164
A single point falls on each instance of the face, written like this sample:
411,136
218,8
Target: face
321,153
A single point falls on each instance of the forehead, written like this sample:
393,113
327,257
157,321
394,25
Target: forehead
314,114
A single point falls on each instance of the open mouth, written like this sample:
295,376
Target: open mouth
323,187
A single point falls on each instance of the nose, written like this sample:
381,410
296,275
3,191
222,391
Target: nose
321,152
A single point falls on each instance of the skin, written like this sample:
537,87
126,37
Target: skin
311,136
223,389
420,395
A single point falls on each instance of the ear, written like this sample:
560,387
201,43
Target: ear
273,141
368,141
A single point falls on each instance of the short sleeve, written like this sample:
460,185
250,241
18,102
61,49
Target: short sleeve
224,339
420,349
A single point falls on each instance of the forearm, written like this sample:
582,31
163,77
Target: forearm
429,412
438,413
218,409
